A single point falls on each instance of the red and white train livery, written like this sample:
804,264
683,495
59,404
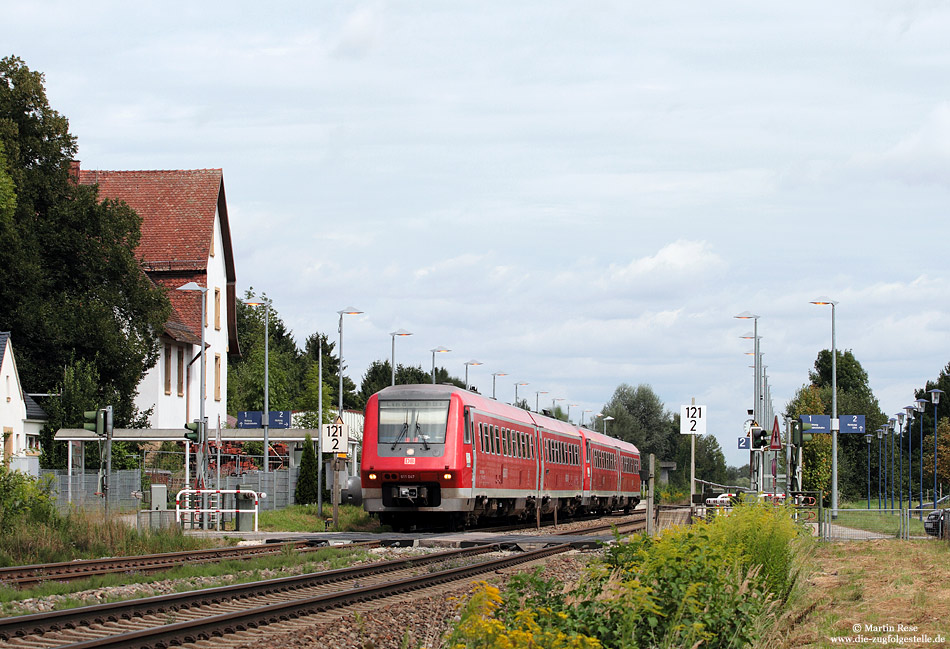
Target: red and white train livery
440,454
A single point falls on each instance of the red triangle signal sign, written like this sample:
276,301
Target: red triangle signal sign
776,443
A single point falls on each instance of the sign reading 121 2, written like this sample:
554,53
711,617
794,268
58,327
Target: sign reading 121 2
693,420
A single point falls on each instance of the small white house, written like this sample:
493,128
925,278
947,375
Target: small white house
21,419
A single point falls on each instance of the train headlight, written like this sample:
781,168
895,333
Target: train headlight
372,476
446,476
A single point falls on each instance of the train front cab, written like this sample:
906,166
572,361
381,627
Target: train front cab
414,464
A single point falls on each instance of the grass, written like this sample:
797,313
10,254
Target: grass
305,518
884,522
883,583
191,576
83,535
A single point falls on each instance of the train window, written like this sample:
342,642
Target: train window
531,447
412,421
483,437
504,442
497,440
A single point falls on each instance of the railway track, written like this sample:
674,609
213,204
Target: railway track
26,576
218,613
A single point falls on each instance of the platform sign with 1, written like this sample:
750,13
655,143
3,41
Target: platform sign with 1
693,420
334,437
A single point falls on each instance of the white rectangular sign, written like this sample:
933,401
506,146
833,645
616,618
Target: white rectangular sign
693,420
334,437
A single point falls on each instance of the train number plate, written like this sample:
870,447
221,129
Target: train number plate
410,460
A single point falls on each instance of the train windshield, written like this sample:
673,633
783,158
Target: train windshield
413,422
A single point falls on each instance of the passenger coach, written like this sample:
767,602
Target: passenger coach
438,454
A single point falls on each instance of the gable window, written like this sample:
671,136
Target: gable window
168,369
217,377
181,371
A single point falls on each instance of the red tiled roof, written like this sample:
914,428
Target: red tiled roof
177,210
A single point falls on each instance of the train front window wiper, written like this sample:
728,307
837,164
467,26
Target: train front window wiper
419,434
402,433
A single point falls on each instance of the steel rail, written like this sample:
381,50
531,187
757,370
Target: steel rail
22,576
227,623
39,623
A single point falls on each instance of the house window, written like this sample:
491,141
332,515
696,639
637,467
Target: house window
181,370
217,309
168,369
217,377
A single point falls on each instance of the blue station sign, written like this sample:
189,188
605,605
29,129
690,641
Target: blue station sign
819,423
250,419
851,424
255,419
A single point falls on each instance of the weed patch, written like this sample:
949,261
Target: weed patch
712,585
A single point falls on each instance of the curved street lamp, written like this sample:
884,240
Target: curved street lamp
199,464
467,363
495,375
350,310
537,393
516,391
402,333
437,350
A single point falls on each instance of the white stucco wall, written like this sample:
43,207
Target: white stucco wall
172,410
12,407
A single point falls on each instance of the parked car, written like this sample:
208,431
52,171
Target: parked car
935,521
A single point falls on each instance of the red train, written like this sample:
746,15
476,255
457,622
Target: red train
437,454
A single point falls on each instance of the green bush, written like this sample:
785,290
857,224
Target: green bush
23,500
711,585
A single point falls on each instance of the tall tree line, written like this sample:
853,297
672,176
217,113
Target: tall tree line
82,313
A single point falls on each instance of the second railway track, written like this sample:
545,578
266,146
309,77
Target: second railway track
26,576
215,613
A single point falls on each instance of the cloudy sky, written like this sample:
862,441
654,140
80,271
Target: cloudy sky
580,194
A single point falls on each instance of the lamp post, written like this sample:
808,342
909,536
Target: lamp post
202,426
893,434
401,333
606,419
880,434
910,410
537,394
900,459
516,391
582,416
467,363
495,375
437,350
569,406
350,310
935,397
834,407
921,405
554,404
867,438
746,315
265,418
